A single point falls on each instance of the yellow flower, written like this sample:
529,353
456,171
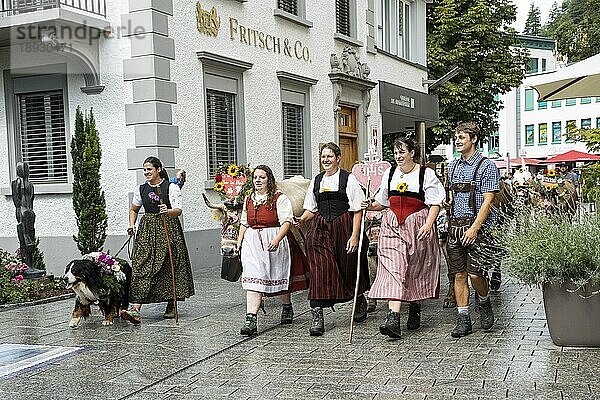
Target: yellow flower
517,184
551,173
219,186
248,192
233,170
402,186
324,190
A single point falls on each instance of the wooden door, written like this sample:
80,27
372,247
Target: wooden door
348,137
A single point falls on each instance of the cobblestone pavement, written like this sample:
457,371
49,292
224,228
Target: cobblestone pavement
206,358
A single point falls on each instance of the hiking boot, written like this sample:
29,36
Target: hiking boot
486,314
391,325
249,327
463,326
287,314
495,281
371,305
360,313
318,324
414,316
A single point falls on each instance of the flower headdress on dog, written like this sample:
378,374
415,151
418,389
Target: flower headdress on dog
107,263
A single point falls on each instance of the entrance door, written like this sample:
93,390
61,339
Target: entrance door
348,140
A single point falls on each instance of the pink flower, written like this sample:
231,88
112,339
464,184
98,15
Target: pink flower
19,277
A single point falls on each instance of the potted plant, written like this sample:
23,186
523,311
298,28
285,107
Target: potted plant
560,252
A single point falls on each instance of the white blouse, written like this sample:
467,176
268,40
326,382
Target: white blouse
331,184
174,196
283,204
433,188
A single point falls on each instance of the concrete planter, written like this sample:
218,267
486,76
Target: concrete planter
573,315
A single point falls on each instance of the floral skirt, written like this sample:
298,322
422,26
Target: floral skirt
152,280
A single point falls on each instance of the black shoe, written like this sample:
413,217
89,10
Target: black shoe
318,324
249,327
391,325
360,313
371,305
463,326
495,281
414,316
287,314
486,314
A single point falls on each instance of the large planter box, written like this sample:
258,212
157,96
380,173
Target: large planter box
573,315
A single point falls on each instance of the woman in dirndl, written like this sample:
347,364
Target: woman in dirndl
152,280
333,205
408,249
273,263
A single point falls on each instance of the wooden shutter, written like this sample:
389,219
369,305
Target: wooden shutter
42,136
293,140
342,16
221,129
290,6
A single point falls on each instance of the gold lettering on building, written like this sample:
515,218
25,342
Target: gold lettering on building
207,22
278,45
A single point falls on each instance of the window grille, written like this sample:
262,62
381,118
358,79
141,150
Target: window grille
293,140
342,17
41,136
221,127
290,6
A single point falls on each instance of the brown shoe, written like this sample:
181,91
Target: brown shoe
169,311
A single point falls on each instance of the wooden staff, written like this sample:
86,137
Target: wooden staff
358,265
164,220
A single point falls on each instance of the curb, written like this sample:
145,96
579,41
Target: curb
7,307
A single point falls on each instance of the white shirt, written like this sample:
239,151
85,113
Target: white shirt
174,196
433,188
283,204
331,184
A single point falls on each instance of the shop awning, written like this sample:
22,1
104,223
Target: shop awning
572,156
401,108
581,79
516,162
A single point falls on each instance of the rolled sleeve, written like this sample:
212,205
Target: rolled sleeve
284,209
382,196
175,196
355,194
435,193
310,202
137,198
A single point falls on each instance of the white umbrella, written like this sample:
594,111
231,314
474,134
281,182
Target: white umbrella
581,79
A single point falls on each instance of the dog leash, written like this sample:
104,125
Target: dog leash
122,247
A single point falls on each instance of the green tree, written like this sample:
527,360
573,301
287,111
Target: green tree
88,197
533,24
476,36
575,25
590,172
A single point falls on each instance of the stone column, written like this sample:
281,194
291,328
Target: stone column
149,70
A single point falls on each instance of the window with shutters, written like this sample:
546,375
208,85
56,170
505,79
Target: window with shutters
342,17
394,27
41,136
293,139
221,129
290,6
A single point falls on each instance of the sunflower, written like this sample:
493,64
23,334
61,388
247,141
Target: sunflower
517,184
233,170
402,186
551,173
219,187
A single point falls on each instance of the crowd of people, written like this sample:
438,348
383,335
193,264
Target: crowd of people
408,266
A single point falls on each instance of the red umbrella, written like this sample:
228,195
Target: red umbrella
572,156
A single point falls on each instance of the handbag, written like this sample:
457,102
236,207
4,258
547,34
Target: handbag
231,268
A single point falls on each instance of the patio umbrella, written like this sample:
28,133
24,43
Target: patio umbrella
572,156
581,79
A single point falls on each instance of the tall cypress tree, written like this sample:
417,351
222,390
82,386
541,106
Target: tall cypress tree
88,197
533,25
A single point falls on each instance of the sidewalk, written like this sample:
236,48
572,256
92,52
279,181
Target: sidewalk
206,358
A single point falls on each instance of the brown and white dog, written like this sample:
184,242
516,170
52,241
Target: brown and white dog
85,278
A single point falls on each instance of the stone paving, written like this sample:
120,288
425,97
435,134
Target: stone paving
206,358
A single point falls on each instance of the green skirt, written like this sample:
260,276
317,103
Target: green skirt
152,280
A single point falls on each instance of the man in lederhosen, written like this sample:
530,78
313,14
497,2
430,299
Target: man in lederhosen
473,181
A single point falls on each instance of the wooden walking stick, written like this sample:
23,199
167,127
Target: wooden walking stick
358,265
164,220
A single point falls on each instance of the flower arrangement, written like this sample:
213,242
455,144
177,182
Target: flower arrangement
154,197
233,182
108,264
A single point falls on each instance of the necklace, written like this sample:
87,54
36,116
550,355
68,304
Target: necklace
402,173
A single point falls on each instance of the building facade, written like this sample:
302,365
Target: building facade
198,84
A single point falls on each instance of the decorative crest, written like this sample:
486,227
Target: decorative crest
349,64
207,22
